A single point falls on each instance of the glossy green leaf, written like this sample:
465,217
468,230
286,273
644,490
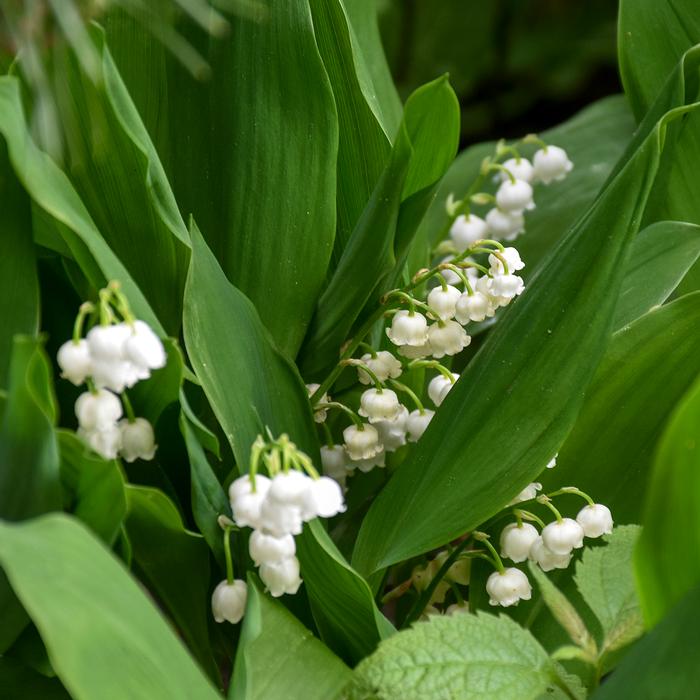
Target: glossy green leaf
424,148
175,563
116,172
94,486
660,257
605,579
251,387
526,382
476,656
19,287
279,659
608,453
665,663
594,139
104,636
652,36
667,559
363,144
53,194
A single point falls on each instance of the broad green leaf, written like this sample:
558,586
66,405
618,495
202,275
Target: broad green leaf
208,498
526,381
279,659
461,656
594,139
667,558
57,200
363,144
105,638
424,148
363,17
251,386
609,451
175,563
115,170
562,610
660,256
29,460
605,579
94,487
19,682
652,36
665,663
19,287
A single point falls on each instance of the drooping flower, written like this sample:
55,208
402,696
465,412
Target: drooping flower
443,301
138,440
392,433
440,386
517,540
514,197
547,559
447,338
75,361
467,230
503,225
417,423
408,328
379,404
229,600
323,499
527,494
551,163
384,366
512,258
508,588
281,576
362,443
596,520
519,168
98,410
265,548
562,536
472,307
320,414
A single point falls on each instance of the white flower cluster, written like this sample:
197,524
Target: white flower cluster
114,355
276,508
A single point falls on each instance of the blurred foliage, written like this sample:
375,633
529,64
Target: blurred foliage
516,65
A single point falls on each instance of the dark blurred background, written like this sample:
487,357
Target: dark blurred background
516,65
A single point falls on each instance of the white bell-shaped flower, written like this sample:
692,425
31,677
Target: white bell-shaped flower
596,520
528,493
408,328
324,499
562,537
138,440
507,286
116,375
472,307
508,588
228,601
451,277
384,365
467,230
265,548
379,404
416,352
503,225
516,541
107,343
362,444
75,361
98,411
512,258
443,301
335,462
514,197
366,465
392,433
519,168
447,338
439,387
320,414
246,503
289,488
144,348
417,423
551,163
483,286
552,462
548,560
279,519
281,576
106,441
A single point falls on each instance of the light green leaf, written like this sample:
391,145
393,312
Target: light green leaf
660,256
53,194
471,657
526,381
665,663
279,659
667,558
104,637
563,611
605,579
608,453
94,486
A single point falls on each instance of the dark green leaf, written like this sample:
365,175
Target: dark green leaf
645,372
279,659
668,554
18,682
